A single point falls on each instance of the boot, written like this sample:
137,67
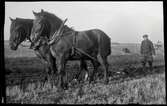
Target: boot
150,66
144,68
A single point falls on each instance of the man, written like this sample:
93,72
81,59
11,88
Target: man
147,50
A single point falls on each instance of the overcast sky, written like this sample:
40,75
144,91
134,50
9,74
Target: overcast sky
124,22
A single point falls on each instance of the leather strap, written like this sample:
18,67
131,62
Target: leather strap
74,43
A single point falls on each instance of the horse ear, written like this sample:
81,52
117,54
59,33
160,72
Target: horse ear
11,19
35,14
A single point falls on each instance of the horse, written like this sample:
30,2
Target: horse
50,29
92,44
20,30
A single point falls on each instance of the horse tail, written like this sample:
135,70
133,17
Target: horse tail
104,44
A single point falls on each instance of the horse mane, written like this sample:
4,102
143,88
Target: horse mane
54,21
51,15
24,20
53,18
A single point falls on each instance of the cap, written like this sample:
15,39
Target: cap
145,35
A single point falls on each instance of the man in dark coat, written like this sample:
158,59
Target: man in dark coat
147,50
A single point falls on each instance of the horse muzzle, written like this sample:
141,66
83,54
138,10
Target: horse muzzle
13,46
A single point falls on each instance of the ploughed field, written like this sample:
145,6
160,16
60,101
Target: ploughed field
25,76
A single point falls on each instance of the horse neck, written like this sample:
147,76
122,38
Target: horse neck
54,25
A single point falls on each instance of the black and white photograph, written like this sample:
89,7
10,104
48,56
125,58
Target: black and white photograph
84,52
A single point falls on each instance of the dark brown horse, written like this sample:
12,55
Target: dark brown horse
47,24
73,45
20,30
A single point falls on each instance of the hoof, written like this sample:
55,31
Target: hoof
65,87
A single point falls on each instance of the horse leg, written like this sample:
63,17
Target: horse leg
83,67
49,75
61,72
91,73
65,79
104,64
52,68
39,55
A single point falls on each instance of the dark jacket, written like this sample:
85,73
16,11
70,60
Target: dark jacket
147,48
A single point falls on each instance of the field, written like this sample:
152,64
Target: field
128,83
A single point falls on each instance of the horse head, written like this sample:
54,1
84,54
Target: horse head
17,33
41,28
45,24
45,21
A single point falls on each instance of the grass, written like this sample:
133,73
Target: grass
147,90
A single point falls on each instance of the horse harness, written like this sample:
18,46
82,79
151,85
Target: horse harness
74,42
75,49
